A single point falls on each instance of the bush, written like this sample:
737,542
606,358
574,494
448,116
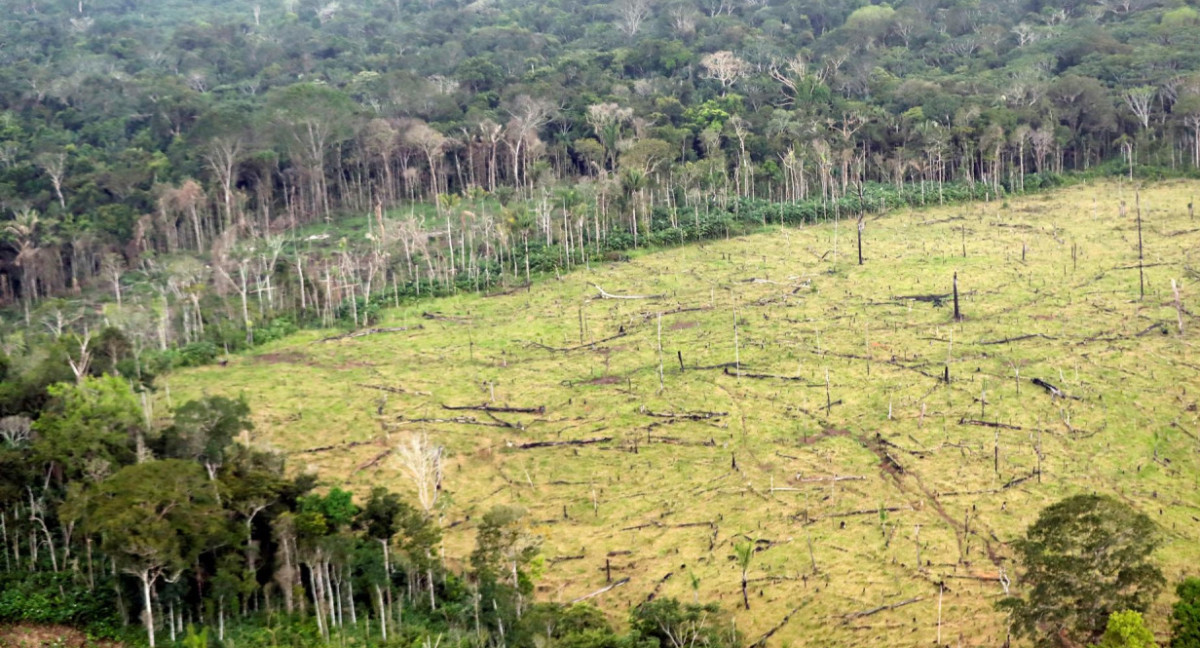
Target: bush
1185,615
55,598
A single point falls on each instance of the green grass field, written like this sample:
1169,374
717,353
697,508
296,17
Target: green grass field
839,445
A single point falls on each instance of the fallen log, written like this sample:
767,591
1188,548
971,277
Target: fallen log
762,641
743,374
723,365
371,331
891,509
601,590
658,586
991,424
646,317
607,295
882,608
1050,389
484,407
553,444
1019,338
559,559
393,390
444,318
691,416
833,478
371,463
334,446
576,347
464,420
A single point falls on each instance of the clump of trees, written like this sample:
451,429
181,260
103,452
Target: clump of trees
1088,573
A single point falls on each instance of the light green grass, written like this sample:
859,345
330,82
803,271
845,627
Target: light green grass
802,311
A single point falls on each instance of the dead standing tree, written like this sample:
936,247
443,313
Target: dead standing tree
422,461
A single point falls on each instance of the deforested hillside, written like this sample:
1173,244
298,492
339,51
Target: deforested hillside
878,408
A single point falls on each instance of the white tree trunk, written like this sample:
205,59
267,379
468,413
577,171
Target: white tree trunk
148,612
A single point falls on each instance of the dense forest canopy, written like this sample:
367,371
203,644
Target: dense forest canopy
133,131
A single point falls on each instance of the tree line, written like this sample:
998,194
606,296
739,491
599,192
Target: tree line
356,150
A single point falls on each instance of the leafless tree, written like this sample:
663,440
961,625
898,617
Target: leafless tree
422,461
55,166
1139,99
631,14
725,67
16,431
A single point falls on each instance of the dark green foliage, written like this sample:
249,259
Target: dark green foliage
1185,615
46,597
204,428
668,621
157,516
1084,558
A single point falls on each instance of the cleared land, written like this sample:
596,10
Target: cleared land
840,448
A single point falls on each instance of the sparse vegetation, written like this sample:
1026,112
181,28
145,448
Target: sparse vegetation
1060,378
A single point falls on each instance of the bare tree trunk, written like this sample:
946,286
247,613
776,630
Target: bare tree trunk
148,612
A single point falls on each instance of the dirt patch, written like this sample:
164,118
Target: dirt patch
679,326
285,357
605,380
353,364
60,636
825,434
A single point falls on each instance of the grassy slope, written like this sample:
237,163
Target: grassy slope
803,311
